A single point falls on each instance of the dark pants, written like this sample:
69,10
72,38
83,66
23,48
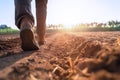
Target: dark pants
23,10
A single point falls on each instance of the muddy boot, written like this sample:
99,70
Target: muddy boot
40,36
27,36
41,41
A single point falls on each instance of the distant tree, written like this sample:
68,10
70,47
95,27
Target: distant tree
3,26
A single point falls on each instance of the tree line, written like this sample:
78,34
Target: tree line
94,26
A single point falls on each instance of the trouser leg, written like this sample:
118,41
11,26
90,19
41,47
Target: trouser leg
23,10
24,20
41,11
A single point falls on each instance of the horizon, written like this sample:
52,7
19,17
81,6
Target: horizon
68,12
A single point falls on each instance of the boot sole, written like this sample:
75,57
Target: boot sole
28,40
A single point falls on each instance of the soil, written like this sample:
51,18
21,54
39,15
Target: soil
65,56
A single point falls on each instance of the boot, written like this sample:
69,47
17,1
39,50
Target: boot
27,36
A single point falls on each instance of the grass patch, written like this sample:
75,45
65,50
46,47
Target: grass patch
8,31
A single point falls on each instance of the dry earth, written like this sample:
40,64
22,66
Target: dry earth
65,56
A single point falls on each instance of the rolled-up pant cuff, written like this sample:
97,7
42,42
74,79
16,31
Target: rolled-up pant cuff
23,10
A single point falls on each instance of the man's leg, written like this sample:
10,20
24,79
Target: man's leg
41,11
24,21
23,10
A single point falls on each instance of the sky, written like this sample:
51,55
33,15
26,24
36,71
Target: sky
67,12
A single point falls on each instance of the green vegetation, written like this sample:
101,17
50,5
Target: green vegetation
109,26
8,30
94,26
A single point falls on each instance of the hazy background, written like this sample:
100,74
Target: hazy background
68,12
